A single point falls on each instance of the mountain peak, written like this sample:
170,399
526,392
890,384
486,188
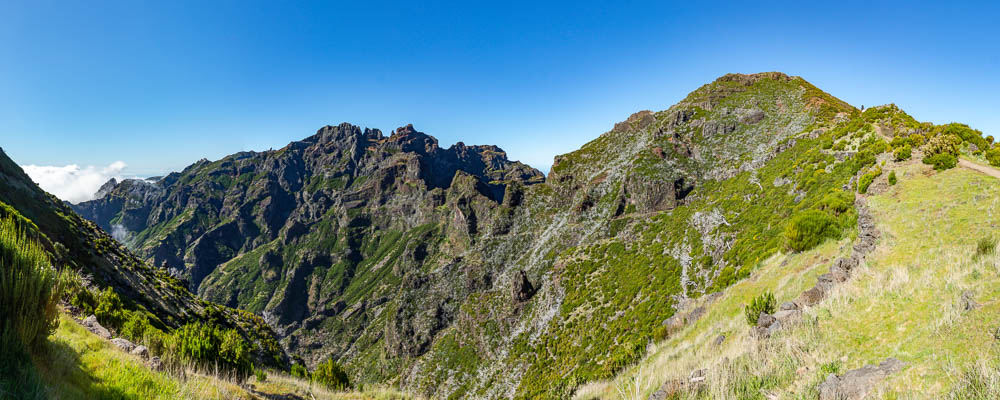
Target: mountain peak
750,79
106,188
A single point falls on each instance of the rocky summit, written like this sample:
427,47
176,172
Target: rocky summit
457,272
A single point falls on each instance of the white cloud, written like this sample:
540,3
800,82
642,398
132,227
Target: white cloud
119,232
72,183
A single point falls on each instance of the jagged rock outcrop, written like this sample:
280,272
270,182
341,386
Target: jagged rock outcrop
127,203
140,351
522,290
106,188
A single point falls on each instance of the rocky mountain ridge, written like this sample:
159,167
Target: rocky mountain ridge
455,272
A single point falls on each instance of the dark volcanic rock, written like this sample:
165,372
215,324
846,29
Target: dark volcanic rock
522,289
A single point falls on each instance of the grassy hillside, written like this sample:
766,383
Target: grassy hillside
76,364
905,302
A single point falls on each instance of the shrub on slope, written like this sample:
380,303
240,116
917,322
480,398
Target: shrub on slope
810,228
29,292
332,375
763,303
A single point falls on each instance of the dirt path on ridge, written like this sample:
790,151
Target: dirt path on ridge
979,168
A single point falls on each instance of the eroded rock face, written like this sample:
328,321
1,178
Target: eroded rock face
130,200
651,195
332,196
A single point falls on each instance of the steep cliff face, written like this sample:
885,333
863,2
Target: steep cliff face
302,234
456,272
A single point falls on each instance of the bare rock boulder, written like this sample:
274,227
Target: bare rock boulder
968,301
124,344
786,315
141,351
856,383
95,327
812,296
765,320
155,364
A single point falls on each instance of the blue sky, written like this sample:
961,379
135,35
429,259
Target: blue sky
159,86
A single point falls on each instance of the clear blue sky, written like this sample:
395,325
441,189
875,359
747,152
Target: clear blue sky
159,86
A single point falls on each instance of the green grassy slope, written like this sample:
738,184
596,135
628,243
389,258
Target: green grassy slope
904,303
76,364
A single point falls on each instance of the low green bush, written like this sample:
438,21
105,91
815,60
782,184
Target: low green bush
260,375
837,202
135,327
29,293
863,159
985,246
942,144
29,289
903,153
661,333
892,178
866,180
208,345
763,303
299,371
109,310
332,375
941,161
832,367
993,156
810,228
